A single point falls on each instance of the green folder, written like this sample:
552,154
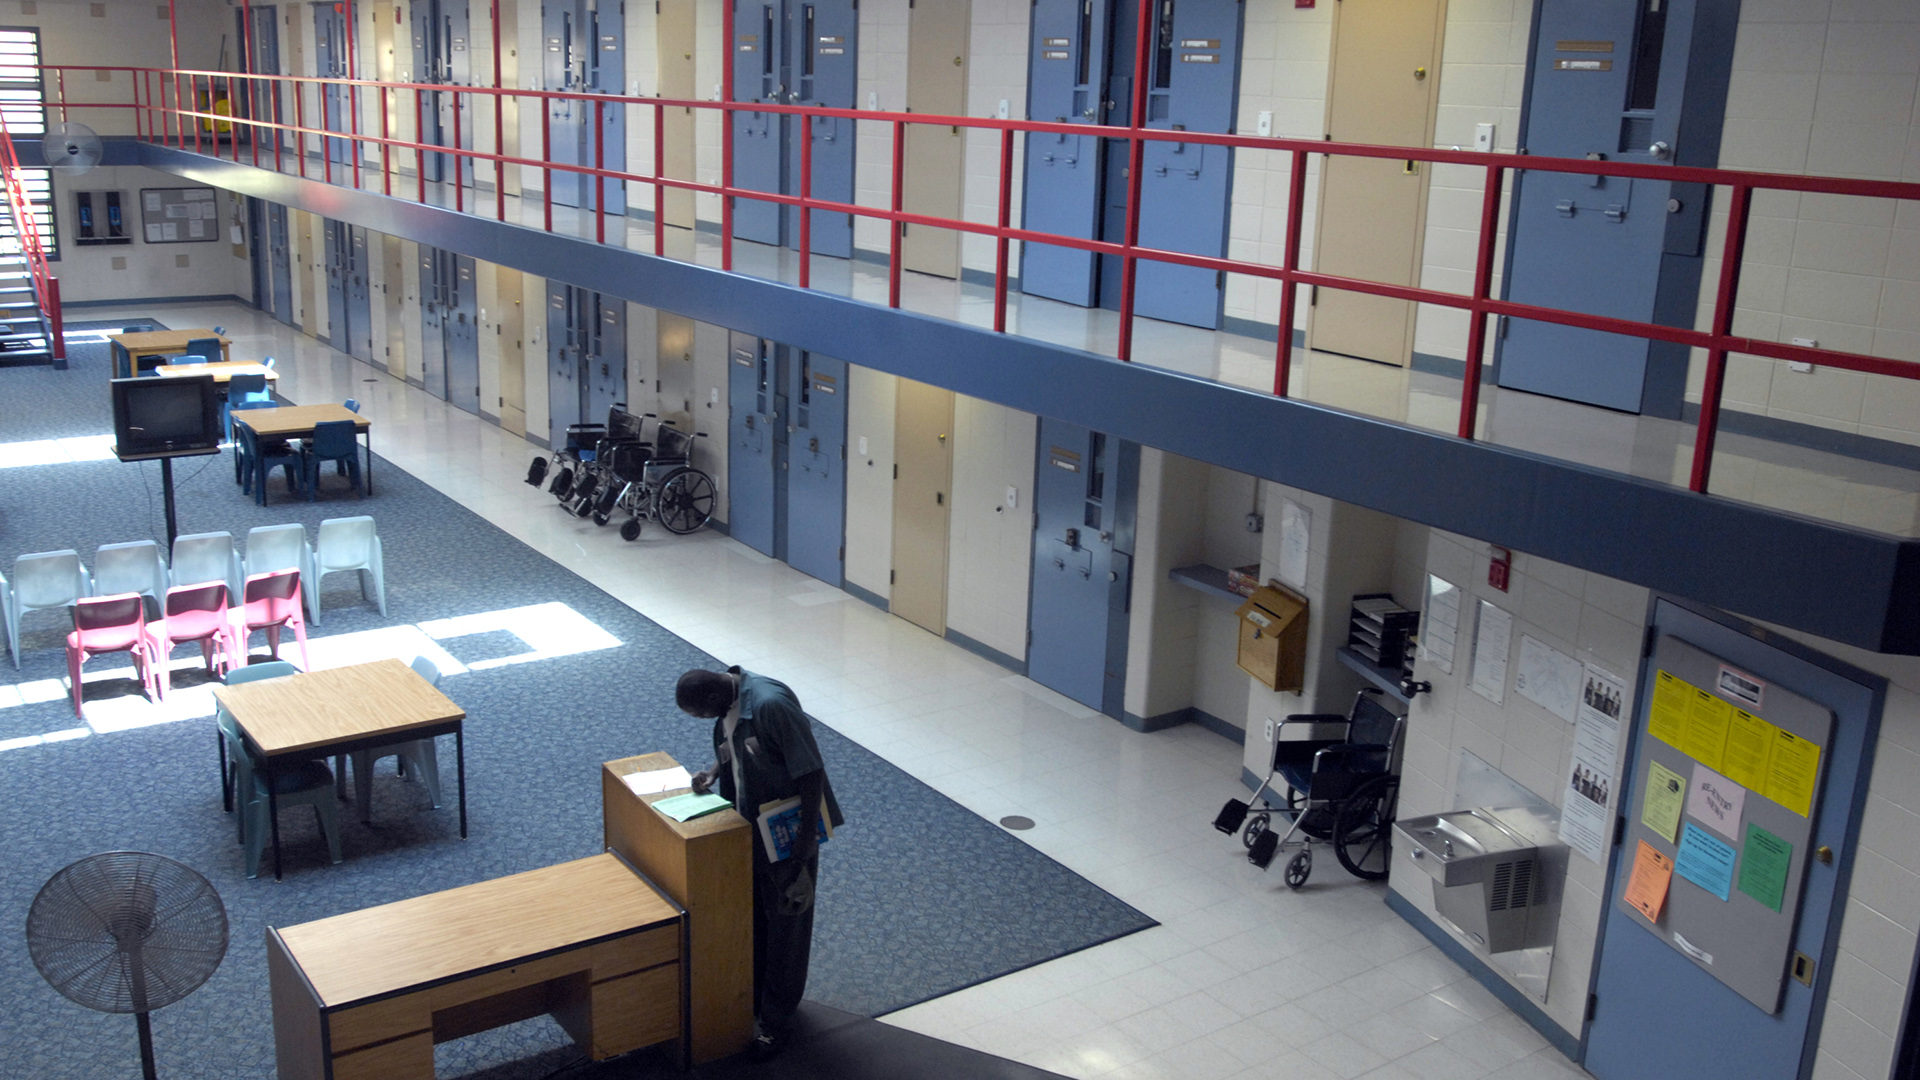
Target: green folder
688,807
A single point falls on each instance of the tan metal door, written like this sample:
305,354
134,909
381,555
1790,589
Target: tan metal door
509,301
674,365
312,318
936,156
393,294
922,504
674,36
1382,90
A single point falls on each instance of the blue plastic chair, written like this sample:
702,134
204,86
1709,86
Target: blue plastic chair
242,463
208,347
266,457
190,358
242,388
334,440
353,406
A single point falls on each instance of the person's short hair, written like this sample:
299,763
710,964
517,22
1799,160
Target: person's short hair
704,694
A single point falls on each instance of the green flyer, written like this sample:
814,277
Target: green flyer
1763,866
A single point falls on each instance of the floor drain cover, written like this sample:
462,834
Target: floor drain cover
1016,822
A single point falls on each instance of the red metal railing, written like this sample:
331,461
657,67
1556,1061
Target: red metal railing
26,232
163,118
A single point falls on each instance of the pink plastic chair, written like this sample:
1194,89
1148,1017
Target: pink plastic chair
271,600
192,613
104,624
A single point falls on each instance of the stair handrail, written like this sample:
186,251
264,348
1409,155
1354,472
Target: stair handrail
46,288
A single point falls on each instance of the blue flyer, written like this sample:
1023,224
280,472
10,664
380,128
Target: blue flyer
1705,861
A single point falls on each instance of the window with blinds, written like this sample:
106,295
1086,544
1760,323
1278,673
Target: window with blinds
22,90
37,184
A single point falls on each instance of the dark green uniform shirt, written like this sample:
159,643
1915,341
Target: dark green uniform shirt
774,743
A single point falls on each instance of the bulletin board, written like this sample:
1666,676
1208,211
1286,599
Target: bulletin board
189,215
1726,784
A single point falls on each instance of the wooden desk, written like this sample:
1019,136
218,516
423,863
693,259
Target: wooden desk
337,711
298,421
707,866
129,348
222,371
367,994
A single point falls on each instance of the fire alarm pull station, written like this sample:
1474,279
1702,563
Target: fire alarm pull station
1499,568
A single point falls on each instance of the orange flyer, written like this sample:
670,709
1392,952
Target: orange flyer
1647,888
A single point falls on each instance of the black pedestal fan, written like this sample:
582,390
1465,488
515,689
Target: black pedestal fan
127,931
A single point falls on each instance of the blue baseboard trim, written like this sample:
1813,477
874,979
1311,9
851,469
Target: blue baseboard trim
484,414
867,595
539,441
1807,436
1222,728
720,527
1510,997
1188,715
1249,779
1013,664
420,384
210,298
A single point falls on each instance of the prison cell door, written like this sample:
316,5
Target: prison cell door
823,46
263,58
357,279
435,290
1194,64
1642,81
459,323
1082,563
1066,84
511,330
922,507
816,489
674,27
759,138
756,442
603,353
330,62
935,156
1384,81
339,257
443,55
585,53
281,259
259,261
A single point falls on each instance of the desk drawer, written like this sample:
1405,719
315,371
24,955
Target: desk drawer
636,1010
635,951
410,1058
350,1029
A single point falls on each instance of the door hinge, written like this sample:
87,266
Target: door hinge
1313,295
896,470
891,577
1646,643
1619,829
843,553
1502,331
1593,1006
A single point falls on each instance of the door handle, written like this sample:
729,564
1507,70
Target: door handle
1660,150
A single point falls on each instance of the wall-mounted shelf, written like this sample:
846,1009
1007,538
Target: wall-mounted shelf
1386,678
1207,579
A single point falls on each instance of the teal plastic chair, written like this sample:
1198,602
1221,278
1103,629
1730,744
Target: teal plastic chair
236,675
417,758
307,782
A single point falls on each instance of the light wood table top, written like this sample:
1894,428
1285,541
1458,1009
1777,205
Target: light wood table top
382,950
316,709
221,370
298,419
153,341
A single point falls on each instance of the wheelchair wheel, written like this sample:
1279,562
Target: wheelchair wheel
1363,838
1299,868
630,529
1256,824
685,503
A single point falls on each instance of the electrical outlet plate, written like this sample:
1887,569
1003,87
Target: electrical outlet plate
1483,138
1269,729
1805,343
1005,109
1264,126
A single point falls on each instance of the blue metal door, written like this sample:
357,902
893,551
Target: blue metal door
282,263
759,139
1642,984
359,295
334,237
442,54
434,291
565,48
1083,494
1067,84
755,439
823,42
606,74
1185,187
563,362
263,58
817,459
460,324
1642,81
330,61
604,353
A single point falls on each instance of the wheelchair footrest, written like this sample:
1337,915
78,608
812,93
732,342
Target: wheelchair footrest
1231,817
1263,849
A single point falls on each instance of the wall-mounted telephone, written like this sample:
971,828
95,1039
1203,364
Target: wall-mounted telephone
90,207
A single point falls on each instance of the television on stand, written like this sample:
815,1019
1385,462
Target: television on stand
166,417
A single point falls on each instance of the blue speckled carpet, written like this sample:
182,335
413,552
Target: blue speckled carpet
899,921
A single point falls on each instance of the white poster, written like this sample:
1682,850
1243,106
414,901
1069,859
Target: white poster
1440,623
1492,638
1548,677
1296,523
1586,808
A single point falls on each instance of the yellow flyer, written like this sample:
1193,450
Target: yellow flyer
1666,797
1707,723
1667,718
1749,750
1792,770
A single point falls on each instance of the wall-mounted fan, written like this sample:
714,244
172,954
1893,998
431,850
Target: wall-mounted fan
70,148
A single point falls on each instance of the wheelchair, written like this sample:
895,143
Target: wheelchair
611,467
1339,792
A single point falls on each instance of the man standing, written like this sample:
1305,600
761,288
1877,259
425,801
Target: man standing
764,752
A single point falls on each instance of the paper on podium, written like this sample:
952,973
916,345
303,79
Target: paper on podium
658,780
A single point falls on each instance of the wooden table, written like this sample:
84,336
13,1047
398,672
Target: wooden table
706,865
222,371
129,348
368,993
319,714
298,422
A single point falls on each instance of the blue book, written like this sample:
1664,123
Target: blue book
780,822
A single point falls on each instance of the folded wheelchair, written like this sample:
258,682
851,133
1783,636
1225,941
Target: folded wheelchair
1340,792
608,468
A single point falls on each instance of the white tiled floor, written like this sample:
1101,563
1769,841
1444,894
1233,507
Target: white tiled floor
1243,978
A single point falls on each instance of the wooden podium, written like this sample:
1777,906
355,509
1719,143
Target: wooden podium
706,866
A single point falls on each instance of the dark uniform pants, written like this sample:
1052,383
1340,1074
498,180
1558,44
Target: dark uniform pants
782,944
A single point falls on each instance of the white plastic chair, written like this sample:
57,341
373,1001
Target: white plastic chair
349,544
418,756
133,567
208,557
41,582
283,547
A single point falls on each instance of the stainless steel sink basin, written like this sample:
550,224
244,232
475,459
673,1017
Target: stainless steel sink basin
1457,848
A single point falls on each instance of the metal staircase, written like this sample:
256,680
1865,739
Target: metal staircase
30,325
